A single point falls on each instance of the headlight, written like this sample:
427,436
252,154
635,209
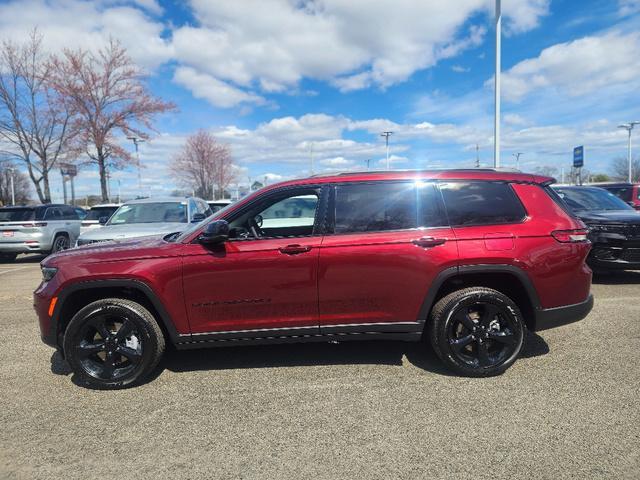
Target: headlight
48,273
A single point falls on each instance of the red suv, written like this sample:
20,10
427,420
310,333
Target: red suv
469,259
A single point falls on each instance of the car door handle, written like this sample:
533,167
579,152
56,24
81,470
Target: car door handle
294,249
428,242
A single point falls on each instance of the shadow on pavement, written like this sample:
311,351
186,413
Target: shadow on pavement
419,354
24,260
617,278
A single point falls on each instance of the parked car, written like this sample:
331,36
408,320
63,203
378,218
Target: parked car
217,205
628,192
96,214
469,259
82,213
148,216
614,227
37,229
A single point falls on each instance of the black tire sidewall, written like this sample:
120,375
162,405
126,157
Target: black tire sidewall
138,315
55,240
468,297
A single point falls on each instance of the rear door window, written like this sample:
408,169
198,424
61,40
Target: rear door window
53,213
385,206
481,203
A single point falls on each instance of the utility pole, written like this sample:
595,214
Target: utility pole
368,160
137,141
13,192
386,136
517,155
477,156
628,127
496,129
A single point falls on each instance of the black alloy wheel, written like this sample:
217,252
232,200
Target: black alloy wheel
113,343
477,331
61,242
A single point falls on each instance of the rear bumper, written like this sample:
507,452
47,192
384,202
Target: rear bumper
556,317
23,247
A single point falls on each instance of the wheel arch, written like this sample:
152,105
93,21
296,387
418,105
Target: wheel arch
507,279
78,295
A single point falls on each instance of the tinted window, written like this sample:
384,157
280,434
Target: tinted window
581,199
16,214
481,203
624,193
386,206
97,212
69,213
53,213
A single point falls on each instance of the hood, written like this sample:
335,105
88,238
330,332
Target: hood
116,250
605,217
131,230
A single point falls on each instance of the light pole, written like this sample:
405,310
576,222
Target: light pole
517,155
136,141
386,136
13,192
496,127
628,127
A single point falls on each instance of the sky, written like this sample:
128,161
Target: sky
287,81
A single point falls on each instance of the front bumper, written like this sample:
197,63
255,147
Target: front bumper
41,303
555,317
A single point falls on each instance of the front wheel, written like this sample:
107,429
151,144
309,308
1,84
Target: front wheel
478,332
113,343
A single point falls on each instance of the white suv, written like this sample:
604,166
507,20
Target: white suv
37,229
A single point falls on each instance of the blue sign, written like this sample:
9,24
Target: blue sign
578,156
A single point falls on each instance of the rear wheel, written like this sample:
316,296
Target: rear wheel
478,332
61,242
7,257
113,343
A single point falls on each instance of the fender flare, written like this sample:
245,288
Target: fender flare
460,270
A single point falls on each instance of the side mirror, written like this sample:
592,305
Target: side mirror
215,233
103,220
198,217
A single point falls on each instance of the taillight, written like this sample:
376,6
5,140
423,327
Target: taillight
33,225
571,236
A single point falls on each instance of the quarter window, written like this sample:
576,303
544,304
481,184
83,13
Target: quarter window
378,207
481,203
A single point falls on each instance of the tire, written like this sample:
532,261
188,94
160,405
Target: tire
113,343
477,331
60,242
7,257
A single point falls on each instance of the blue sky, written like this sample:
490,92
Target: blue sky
274,78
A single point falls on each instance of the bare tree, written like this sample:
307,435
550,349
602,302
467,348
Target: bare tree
620,169
108,96
35,126
204,165
21,185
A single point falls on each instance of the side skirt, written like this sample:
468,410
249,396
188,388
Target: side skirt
211,341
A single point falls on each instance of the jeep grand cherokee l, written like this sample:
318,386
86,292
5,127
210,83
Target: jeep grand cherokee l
467,259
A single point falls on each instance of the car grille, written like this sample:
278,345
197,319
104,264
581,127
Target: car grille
629,231
82,242
632,231
631,255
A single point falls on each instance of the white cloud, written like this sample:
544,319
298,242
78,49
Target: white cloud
460,69
216,92
75,24
628,7
578,67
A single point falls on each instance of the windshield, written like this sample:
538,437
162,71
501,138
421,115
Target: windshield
16,214
581,199
153,212
98,212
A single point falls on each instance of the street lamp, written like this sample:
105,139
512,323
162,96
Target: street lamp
496,125
628,127
13,192
517,155
136,141
386,136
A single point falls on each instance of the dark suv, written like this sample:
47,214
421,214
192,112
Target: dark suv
468,259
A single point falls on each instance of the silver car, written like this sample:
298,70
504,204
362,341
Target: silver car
37,229
148,216
97,212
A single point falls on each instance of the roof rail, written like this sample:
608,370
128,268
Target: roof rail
426,170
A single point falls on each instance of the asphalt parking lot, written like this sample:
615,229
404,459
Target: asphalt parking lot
568,409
